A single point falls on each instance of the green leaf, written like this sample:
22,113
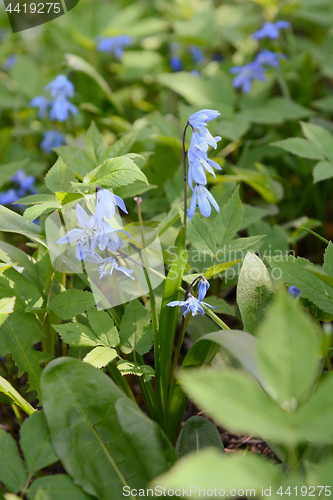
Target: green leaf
288,352
236,402
59,178
6,308
261,180
328,260
18,335
12,471
287,109
35,443
35,211
35,199
78,335
103,326
26,264
316,416
260,115
80,64
120,147
57,487
115,172
7,389
9,169
197,434
11,222
129,368
75,161
300,147
201,235
228,221
295,272
212,469
135,331
251,215
70,303
320,137
221,306
100,356
322,170
146,438
79,404
254,292
23,289
96,145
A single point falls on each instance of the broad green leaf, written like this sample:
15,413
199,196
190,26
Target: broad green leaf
146,438
56,487
198,433
115,172
288,352
328,267
79,405
316,416
251,215
76,161
12,470
34,199
254,292
11,222
201,235
221,306
35,443
322,170
228,221
80,64
96,145
212,469
6,308
120,147
320,137
100,356
295,271
261,115
78,335
300,147
325,103
9,169
23,288
287,109
26,264
103,326
230,250
129,368
70,303
18,335
322,276
236,402
135,330
261,180
32,213
59,178
7,389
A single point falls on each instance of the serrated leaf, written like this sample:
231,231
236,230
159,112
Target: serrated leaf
255,292
35,199
219,268
201,235
76,160
11,222
300,147
102,324
220,306
35,443
320,137
129,368
295,272
77,335
135,330
18,335
32,213
115,172
70,303
12,471
7,389
22,288
198,433
6,307
26,264
60,177
100,356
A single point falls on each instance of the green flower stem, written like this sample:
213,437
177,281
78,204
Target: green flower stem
185,178
120,380
177,352
283,85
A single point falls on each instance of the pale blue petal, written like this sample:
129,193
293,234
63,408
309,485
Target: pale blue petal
72,235
204,206
82,216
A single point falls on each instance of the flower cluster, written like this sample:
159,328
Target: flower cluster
113,44
52,139
24,184
199,162
9,62
255,70
96,232
176,63
191,303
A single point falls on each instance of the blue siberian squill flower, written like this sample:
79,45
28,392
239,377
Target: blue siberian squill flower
51,139
8,197
113,44
191,304
203,286
175,63
246,74
200,118
294,291
61,108
269,58
106,203
202,198
198,161
107,265
9,62
270,30
60,87
197,54
42,103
